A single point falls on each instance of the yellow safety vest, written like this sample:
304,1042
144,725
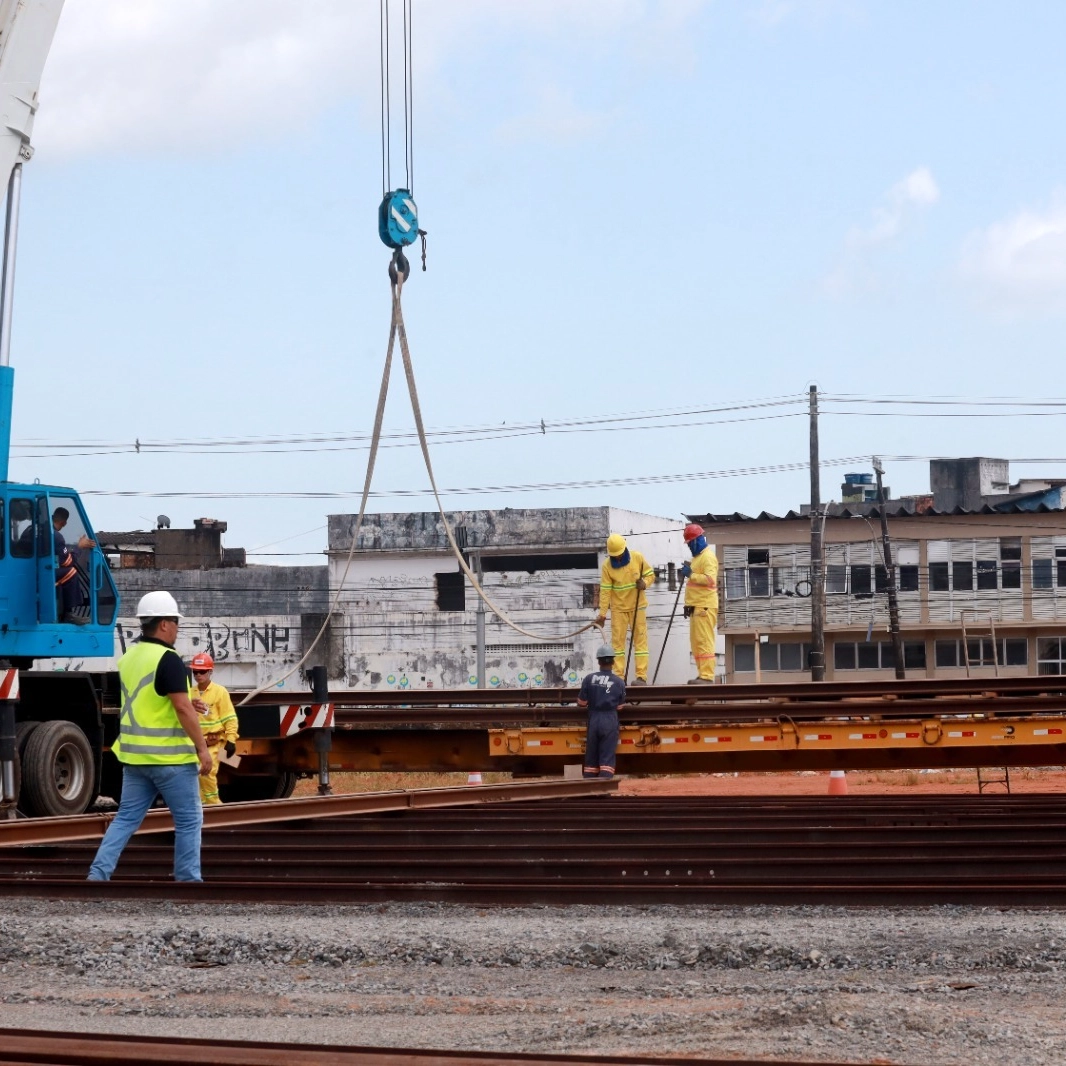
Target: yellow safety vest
149,728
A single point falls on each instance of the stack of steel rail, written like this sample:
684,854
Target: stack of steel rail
733,702
23,1047
619,849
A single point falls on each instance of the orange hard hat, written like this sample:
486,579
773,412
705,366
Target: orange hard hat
203,661
692,531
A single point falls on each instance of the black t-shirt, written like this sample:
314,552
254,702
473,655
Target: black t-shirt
170,674
603,691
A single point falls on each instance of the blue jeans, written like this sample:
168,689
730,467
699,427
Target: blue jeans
179,785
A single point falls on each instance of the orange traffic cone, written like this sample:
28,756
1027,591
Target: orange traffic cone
475,778
838,783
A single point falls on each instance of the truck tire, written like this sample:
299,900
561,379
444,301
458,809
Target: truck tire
22,734
58,775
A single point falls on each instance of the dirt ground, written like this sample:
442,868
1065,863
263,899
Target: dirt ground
860,783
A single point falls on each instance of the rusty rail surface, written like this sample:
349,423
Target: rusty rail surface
93,826
694,695
21,1047
1006,850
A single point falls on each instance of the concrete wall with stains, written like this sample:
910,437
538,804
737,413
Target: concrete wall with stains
400,632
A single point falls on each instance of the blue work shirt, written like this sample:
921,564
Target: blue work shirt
602,691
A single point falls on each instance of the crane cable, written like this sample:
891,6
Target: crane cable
398,329
398,272
416,410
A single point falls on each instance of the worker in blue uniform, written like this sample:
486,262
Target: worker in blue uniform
603,694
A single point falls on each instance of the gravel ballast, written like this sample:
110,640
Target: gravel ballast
929,985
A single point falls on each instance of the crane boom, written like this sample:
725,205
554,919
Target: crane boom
27,28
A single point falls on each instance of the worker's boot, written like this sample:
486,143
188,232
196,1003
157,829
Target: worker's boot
702,681
639,681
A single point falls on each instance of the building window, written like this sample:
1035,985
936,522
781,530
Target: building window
938,578
914,654
772,657
590,595
836,580
758,571
451,591
735,587
1010,556
987,573
962,576
1050,655
861,584
1043,574
877,655
1012,651
744,658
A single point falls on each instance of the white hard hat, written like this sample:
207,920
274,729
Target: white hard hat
158,605
605,652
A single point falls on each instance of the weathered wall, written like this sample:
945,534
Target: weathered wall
397,636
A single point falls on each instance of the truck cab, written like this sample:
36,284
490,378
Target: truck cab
39,526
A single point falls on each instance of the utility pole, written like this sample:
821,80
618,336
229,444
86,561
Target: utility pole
475,558
817,656
890,576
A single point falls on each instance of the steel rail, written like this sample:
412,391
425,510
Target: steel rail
1020,892
610,849
693,695
36,831
25,1046
347,717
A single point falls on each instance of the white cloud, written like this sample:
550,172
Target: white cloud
188,75
917,190
1020,263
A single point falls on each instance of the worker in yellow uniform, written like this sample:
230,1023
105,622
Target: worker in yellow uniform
218,722
623,578
701,602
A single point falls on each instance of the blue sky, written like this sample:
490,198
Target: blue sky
633,207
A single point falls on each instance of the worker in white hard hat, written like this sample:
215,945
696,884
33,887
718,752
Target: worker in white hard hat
159,744
603,694
624,577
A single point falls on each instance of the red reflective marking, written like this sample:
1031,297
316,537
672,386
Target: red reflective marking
288,718
1056,731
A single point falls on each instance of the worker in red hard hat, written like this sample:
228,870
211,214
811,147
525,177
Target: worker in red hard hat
218,722
701,602
624,577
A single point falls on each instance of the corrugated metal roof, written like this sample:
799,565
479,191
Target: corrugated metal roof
872,510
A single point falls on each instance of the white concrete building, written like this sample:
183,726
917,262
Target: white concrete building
409,614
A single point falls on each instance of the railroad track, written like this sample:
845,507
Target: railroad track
858,850
26,1047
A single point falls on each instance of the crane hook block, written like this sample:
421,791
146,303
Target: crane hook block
398,219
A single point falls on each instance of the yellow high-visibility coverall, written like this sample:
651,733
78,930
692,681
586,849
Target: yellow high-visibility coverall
629,608
701,594
219,727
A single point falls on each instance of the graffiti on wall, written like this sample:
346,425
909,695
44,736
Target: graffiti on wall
224,642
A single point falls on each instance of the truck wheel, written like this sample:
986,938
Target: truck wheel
22,734
57,770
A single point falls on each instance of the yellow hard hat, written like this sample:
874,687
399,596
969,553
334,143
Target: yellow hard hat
616,544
